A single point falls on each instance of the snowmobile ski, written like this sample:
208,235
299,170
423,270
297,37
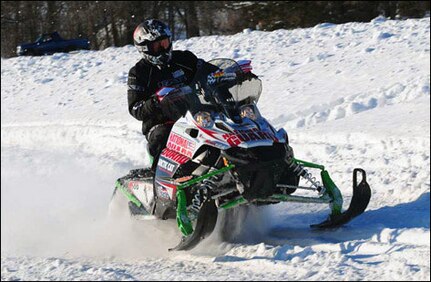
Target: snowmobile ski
360,199
205,224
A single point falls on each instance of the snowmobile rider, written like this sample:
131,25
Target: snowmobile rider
159,67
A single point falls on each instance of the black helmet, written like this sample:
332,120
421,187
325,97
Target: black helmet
152,38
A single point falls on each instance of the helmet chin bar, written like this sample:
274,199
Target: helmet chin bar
158,60
166,57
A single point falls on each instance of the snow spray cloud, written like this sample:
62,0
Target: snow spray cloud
241,225
55,204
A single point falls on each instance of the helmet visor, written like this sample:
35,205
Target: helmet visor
159,46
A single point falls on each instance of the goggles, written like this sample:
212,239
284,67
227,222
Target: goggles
159,46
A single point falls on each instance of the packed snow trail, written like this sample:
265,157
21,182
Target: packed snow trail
350,95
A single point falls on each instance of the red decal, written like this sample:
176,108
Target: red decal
167,187
131,185
208,132
174,156
181,145
181,141
234,139
179,149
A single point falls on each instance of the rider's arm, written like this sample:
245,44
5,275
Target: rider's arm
142,104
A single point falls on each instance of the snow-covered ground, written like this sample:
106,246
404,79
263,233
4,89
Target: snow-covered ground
350,95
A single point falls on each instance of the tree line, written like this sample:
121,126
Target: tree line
111,23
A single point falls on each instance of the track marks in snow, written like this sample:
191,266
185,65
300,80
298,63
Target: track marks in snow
391,163
115,142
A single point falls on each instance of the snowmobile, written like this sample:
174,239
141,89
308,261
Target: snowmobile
223,154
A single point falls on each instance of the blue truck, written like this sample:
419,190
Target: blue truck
50,43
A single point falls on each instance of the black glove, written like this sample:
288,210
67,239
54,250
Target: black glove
176,104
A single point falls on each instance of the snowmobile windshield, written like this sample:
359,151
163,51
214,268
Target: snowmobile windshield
245,89
228,96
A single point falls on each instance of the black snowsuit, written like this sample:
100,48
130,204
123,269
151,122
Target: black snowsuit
144,81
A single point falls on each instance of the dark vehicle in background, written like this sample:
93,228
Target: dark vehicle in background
50,43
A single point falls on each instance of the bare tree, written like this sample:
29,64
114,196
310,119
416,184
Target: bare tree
111,23
192,23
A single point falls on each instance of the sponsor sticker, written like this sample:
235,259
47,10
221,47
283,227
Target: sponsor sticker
174,156
234,139
164,191
167,165
181,145
135,185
